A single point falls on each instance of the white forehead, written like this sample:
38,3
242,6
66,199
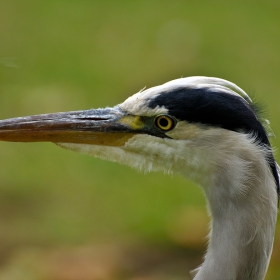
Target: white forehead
137,104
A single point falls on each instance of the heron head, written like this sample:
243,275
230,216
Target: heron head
152,129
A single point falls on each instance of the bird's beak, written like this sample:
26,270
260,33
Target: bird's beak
110,127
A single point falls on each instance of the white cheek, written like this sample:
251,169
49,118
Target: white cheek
150,153
185,130
143,152
170,155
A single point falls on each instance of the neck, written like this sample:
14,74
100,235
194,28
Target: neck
243,210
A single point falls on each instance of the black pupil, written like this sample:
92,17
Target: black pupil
163,122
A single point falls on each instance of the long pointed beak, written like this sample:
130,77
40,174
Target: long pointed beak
110,127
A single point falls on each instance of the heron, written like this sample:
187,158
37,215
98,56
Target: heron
206,129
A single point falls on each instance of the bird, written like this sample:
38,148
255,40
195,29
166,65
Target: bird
204,128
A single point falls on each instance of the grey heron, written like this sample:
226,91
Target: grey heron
206,129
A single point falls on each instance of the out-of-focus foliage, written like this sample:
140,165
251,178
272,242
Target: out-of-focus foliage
57,207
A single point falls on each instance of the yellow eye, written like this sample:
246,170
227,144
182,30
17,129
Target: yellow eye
164,122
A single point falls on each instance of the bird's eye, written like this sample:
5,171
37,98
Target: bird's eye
164,122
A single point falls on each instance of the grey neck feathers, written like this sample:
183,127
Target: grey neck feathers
242,201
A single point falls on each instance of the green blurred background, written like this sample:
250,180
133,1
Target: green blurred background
65,216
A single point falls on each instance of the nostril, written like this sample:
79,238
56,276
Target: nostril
92,118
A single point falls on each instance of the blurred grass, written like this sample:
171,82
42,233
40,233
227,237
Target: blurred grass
71,55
